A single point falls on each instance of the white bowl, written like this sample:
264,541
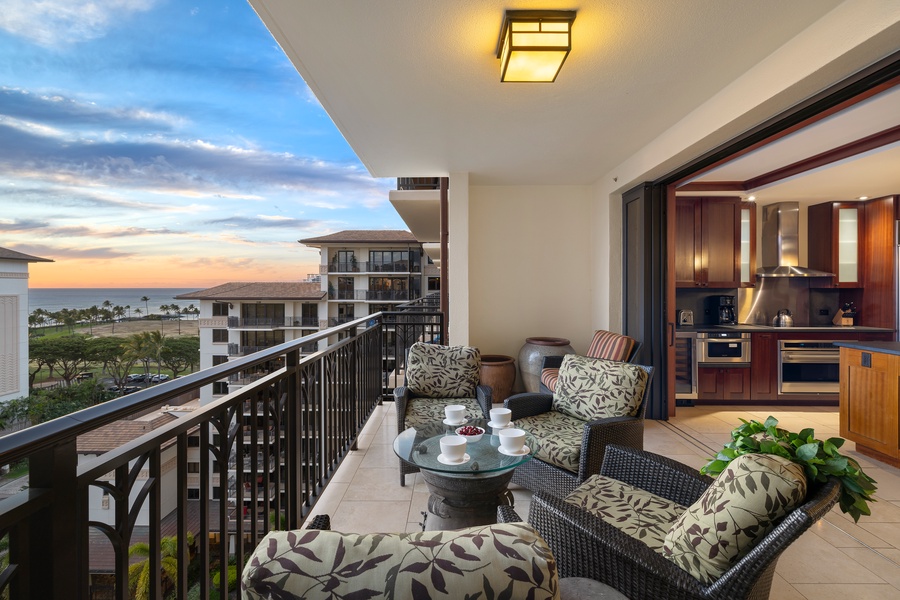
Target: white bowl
470,438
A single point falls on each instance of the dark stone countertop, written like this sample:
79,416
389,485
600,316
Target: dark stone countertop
835,329
880,347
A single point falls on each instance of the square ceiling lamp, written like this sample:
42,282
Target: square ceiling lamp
534,44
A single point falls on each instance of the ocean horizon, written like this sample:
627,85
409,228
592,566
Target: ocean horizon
55,299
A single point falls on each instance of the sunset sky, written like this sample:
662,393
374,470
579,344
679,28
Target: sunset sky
166,143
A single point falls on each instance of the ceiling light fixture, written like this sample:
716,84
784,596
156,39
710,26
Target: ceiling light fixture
534,44
863,198
751,198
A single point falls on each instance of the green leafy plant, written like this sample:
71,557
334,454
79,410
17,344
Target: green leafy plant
819,460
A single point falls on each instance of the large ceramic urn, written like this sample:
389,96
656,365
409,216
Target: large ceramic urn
499,372
531,357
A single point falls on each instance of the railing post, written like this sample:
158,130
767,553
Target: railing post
55,469
293,433
353,375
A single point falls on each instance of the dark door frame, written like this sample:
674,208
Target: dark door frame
649,310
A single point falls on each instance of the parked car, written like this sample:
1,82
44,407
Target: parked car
159,378
135,378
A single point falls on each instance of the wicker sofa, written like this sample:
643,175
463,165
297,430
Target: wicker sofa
572,444
492,561
588,543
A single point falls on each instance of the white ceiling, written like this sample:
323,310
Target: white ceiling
414,85
873,174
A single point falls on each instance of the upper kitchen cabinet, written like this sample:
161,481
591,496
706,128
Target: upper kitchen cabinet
836,242
708,242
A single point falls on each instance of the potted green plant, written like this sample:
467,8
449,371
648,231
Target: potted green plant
819,459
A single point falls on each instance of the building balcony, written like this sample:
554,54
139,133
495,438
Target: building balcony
271,323
400,267
238,350
294,426
418,183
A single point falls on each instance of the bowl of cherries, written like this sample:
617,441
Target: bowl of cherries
471,433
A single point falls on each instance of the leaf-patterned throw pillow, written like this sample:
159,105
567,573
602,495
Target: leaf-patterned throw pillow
435,371
741,506
496,561
596,388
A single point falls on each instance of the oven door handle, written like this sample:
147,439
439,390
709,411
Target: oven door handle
810,357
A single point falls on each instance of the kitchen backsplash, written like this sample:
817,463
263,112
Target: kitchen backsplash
760,304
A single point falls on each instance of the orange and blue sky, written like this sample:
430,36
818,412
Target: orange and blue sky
166,143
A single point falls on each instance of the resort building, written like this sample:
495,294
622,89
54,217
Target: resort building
14,323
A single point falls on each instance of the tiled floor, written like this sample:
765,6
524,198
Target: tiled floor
835,559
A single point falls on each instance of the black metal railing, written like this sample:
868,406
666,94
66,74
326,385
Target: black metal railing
418,183
402,266
305,416
271,322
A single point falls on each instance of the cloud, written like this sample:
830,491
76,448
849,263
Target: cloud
64,22
49,138
264,222
59,253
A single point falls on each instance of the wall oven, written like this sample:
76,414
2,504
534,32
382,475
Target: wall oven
808,367
719,347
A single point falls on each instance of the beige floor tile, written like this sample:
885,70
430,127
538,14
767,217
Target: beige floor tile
348,468
328,502
378,485
782,590
889,532
843,533
364,441
380,456
885,562
370,517
417,506
845,591
810,559
888,483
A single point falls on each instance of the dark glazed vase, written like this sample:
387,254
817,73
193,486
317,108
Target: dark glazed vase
499,372
532,354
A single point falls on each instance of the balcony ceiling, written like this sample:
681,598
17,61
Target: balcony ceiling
414,85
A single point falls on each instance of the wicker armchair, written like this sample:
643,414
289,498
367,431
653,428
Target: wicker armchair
605,344
539,475
436,376
586,546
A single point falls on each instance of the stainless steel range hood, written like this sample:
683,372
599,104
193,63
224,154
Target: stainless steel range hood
780,246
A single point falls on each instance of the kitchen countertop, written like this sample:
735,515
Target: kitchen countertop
747,328
882,347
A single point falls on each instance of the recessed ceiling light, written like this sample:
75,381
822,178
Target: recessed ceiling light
751,198
863,198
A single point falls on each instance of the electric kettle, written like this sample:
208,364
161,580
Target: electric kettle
783,319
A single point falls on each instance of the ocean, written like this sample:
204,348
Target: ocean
54,299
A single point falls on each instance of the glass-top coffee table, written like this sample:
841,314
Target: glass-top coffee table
466,494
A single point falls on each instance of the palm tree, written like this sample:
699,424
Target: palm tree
138,311
146,301
139,573
128,308
176,309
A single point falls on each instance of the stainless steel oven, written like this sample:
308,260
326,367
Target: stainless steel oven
808,367
728,347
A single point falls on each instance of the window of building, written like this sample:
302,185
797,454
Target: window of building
220,336
389,260
193,467
220,388
219,359
273,312
434,284
220,309
216,493
309,311
193,494
345,288
345,261
345,312
262,339
194,441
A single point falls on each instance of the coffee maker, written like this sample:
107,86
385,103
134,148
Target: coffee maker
725,310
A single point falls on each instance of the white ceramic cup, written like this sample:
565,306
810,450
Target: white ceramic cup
500,416
456,413
453,447
512,440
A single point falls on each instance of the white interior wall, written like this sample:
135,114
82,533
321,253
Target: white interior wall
530,264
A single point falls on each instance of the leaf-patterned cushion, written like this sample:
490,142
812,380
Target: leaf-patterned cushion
596,388
496,561
427,411
741,506
644,516
559,438
436,371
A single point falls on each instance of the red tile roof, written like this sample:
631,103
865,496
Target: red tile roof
109,437
249,290
363,236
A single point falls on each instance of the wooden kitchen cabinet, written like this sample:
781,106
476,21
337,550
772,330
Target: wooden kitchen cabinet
708,242
763,366
869,402
723,383
837,244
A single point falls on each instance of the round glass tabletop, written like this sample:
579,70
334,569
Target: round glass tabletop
421,447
